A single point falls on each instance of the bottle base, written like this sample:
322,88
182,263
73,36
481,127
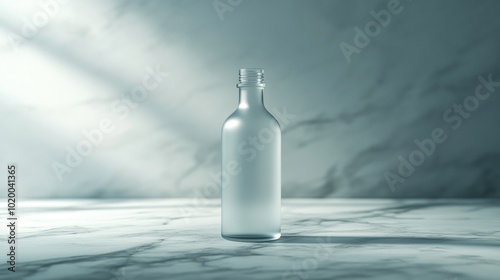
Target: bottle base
252,237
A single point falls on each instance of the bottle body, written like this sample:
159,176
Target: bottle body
251,171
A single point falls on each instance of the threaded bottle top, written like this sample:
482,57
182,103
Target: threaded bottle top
251,77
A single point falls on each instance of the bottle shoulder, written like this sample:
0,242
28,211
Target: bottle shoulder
254,114
271,116
243,117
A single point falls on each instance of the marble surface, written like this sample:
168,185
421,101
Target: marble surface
322,239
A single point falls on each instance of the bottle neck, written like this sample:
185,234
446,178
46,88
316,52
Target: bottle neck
251,97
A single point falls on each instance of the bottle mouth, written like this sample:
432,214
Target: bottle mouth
251,77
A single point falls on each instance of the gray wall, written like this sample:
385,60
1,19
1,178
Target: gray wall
68,67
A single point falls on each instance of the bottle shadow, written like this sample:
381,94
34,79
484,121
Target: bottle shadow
324,239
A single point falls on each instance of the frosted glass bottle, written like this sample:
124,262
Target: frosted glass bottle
251,166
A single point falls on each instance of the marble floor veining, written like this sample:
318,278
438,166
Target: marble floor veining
322,239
